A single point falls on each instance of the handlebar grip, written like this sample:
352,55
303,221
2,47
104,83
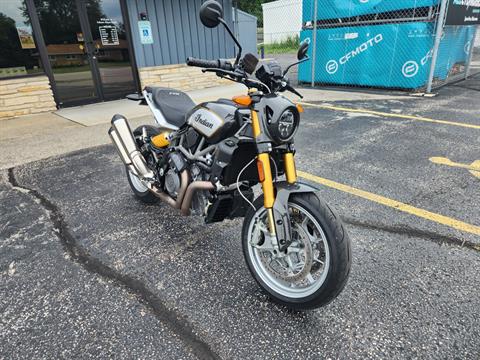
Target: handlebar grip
191,61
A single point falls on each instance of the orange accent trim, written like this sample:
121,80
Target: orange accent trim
161,140
244,100
267,184
261,173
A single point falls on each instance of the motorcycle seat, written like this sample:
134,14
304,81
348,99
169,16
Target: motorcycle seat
173,104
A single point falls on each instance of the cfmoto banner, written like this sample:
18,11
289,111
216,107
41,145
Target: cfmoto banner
391,55
334,9
463,12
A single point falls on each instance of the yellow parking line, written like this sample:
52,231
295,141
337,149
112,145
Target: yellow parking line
440,219
391,115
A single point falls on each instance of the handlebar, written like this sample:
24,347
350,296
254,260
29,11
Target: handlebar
210,64
224,68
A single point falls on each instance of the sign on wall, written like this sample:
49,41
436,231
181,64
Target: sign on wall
463,12
145,29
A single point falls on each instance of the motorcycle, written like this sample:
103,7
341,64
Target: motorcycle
206,159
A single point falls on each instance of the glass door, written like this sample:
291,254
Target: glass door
67,51
111,50
88,51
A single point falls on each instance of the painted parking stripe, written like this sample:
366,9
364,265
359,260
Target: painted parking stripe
391,115
440,219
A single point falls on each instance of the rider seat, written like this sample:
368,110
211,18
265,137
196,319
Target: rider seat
173,104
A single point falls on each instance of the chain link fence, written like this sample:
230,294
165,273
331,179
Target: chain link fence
366,43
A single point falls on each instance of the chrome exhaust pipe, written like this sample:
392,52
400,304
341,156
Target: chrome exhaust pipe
191,190
121,150
122,138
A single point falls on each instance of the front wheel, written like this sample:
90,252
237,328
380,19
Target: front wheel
315,267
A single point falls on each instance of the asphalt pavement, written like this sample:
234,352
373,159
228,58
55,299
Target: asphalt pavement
86,271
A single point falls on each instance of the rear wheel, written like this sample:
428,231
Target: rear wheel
139,189
315,267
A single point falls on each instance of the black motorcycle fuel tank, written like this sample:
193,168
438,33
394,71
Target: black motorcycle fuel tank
215,120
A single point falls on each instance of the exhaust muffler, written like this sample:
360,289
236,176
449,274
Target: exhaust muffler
122,137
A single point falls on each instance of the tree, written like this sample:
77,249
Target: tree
253,7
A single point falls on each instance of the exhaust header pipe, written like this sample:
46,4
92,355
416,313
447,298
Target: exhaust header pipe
122,137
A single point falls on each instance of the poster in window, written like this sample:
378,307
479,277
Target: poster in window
25,35
108,35
463,12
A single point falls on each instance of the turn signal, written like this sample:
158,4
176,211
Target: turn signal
243,100
300,108
261,173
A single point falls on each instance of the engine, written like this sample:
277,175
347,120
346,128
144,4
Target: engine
172,182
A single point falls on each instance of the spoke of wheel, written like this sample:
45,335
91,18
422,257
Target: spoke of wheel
310,279
305,222
294,249
289,262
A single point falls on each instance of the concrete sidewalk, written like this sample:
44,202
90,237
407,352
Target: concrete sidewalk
35,137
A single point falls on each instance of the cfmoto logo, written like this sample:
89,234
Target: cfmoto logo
467,47
410,69
332,67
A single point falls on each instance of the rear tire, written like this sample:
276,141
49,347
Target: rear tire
141,191
326,287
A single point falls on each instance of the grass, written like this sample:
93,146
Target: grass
289,45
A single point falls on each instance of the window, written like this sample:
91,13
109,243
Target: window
18,51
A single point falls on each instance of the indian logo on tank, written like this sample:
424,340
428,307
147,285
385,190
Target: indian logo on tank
205,121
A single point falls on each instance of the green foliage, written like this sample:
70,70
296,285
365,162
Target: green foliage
253,7
289,45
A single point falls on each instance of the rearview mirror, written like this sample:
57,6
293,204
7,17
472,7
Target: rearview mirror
302,51
210,13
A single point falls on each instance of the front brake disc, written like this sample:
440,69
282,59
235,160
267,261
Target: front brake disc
285,274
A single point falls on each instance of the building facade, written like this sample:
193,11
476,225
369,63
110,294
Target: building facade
60,53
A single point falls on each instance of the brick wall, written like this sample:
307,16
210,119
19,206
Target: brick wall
23,96
180,76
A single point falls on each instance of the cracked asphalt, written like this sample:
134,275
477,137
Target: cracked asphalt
86,271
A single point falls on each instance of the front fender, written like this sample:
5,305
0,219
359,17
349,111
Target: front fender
280,209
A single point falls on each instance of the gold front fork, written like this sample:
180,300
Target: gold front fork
265,176
290,170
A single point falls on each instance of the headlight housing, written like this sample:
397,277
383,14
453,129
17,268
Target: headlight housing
283,128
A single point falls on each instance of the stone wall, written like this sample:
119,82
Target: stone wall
180,76
23,96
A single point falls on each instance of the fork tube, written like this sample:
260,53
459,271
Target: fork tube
290,171
265,175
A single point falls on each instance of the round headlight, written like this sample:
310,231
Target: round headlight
286,124
283,128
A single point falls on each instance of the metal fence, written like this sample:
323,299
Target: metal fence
381,43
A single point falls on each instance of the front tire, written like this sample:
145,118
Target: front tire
321,245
